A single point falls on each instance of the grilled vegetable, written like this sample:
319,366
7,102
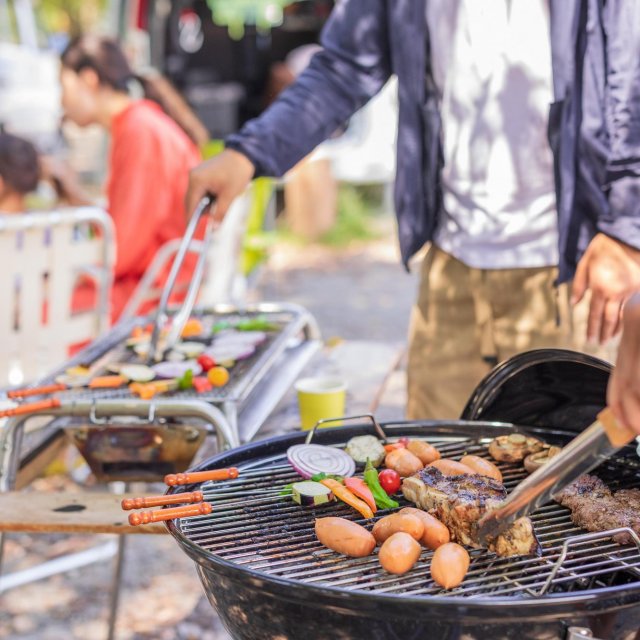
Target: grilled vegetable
399,553
311,493
535,460
342,493
389,480
309,459
514,447
137,372
380,495
359,488
345,536
449,565
363,448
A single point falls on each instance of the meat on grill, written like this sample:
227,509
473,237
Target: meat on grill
460,501
594,507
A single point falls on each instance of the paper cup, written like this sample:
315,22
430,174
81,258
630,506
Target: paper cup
320,398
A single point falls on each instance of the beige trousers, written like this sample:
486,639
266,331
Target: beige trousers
467,320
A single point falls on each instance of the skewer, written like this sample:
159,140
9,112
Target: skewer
147,517
174,479
37,391
31,407
161,501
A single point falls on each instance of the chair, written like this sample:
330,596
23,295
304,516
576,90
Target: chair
44,255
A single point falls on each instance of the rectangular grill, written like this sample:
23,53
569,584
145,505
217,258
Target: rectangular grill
255,527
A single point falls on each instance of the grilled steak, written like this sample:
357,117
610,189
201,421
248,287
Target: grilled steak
595,508
460,501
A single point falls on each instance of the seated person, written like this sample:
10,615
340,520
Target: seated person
19,172
150,154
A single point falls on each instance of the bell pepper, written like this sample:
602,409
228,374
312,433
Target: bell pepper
359,487
379,494
342,493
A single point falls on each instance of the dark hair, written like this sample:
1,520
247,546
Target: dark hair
18,163
106,58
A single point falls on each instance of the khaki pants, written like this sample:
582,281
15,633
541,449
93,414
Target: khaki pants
467,320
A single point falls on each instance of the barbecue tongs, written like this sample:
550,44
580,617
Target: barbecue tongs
594,445
182,315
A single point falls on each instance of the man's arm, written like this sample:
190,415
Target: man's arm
610,267
352,67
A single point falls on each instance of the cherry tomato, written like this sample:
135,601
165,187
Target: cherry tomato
218,376
389,481
206,362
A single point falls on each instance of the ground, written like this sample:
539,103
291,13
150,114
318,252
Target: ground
361,292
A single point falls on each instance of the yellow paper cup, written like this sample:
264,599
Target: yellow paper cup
320,398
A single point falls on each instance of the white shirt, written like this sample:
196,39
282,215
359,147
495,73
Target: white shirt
491,62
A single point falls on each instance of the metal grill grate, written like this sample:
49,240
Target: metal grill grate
243,375
255,527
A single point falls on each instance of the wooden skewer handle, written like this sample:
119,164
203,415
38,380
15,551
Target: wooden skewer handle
161,501
147,517
31,407
36,391
201,476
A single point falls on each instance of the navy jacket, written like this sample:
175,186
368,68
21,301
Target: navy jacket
594,122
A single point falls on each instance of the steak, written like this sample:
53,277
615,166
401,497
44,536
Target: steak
460,501
594,507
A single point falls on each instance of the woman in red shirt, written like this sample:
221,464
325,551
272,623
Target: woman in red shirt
149,159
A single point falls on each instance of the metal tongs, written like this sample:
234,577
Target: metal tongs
594,445
182,315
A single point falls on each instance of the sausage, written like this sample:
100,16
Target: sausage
345,536
435,533
449,565
405,522
399,553
451,467
482,467
403,462
426,452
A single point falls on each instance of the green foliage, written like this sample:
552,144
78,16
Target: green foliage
235,14
70,16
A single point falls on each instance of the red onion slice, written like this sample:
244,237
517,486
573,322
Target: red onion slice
176,369
309,459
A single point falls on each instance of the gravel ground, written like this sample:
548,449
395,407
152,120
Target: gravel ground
358,293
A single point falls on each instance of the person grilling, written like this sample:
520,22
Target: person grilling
517,164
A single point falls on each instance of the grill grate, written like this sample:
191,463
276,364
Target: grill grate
112,348
255,527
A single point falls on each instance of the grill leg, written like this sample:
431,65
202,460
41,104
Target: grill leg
115,589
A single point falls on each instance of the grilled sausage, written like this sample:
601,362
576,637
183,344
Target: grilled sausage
345,536
424,451
482,467
451,467
405,522
435,533
449,565
399,553
403,462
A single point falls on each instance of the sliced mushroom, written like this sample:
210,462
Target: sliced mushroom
514,448
535,460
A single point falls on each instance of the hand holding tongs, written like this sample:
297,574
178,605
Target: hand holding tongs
181,317
594,445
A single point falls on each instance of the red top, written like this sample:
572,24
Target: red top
149,164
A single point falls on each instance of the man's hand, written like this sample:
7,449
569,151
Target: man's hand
611,270
623,392
225,176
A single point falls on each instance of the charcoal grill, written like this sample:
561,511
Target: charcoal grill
268,577
234,412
